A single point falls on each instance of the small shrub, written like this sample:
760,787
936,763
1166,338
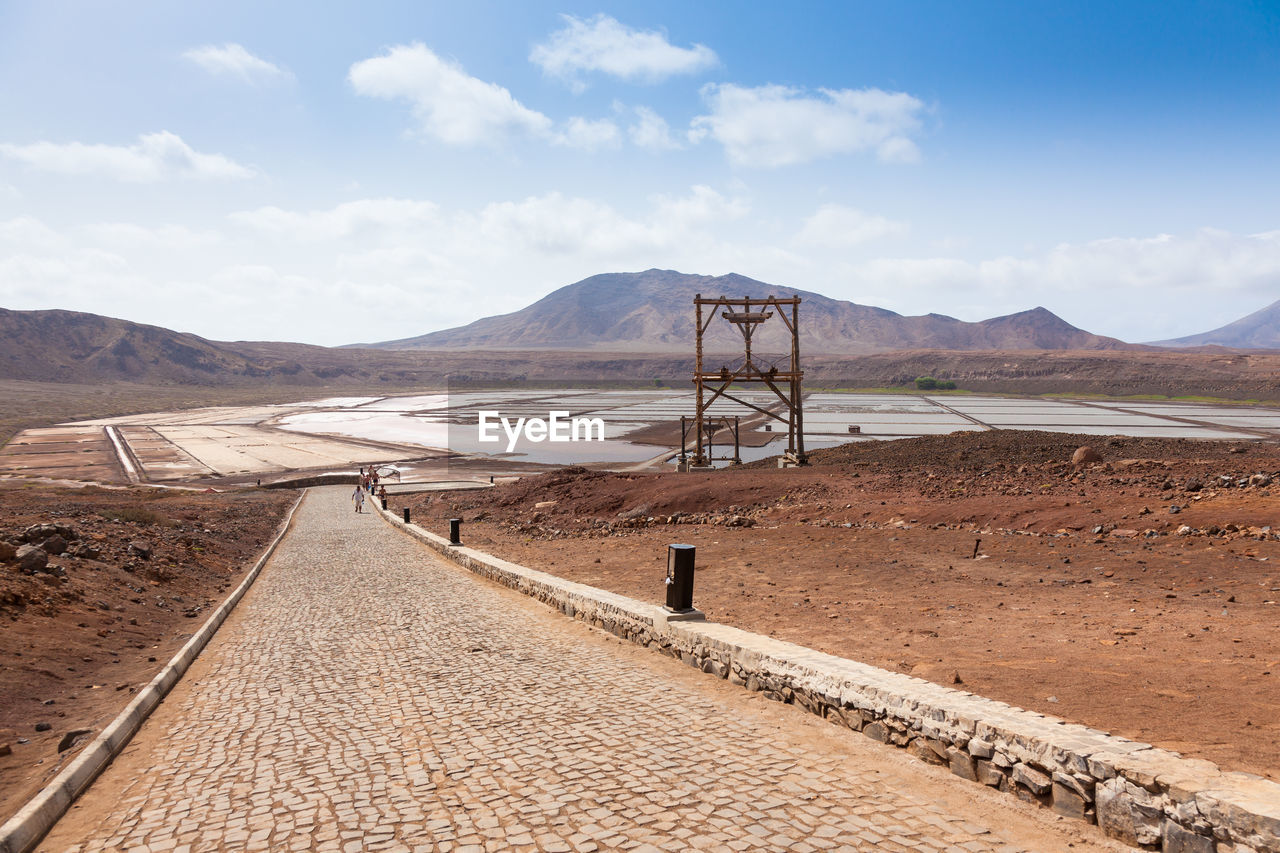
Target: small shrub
134,515
928,383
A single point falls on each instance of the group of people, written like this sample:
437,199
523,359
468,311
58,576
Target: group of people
368,483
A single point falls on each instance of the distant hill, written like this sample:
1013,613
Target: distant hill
71,346
652,311
1259,330
52,347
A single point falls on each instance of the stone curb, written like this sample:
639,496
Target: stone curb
23,831
1147,797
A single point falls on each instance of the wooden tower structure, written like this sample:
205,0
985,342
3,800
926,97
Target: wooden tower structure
747,315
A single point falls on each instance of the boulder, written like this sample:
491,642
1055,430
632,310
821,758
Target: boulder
7,551
40,532
1085,455
32,559
85,551
140,548
71,738
54,545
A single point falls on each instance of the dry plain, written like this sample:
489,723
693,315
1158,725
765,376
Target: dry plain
869,554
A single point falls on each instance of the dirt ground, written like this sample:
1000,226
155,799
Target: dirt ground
1137,594
141,571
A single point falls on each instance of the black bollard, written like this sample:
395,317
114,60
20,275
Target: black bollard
680,578
384,503
406,515
455,531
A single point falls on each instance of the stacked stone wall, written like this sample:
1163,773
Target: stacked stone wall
1147,797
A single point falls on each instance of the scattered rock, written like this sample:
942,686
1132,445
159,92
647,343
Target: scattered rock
71,738
32,559
54,545
38,533
85,551
1193,485
7,551
43,727
140,548
1085,455
545,504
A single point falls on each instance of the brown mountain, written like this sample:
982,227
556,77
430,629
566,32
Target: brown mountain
652,311
48,350
1259,330
71,346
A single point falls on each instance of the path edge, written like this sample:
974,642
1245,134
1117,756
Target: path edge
1147,797
22,832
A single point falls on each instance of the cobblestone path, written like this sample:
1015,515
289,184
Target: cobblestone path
367,696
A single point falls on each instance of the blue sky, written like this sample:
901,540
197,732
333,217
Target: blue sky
333,173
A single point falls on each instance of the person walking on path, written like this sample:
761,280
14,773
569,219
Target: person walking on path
358,497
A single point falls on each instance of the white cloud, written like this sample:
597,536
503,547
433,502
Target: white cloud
371,217
554,224
77,279
589,135
1134,288
254,283
127,235
155,157
384,268
27,232
898,149
9,191
451,105
772,126
703,205
605,45
651,131
837,226
233,60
